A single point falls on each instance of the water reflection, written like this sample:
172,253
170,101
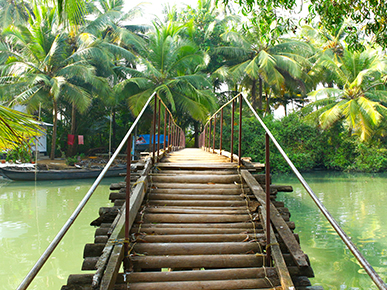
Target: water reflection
357,202
31,214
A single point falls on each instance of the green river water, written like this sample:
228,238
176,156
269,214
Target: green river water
358,202
31,215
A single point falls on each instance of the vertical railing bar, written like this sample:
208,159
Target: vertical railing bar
158,130
154,131
169,130
267,180
221,132
173,136
213,147
240,132
205,138
127,204
165,129
232,131
209,135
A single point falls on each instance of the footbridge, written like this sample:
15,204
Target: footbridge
201,218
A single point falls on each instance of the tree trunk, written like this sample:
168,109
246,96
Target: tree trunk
254,94
260,94
54,121
71,149
196,134
114,129
268,103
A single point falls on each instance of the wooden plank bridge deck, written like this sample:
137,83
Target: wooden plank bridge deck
199,225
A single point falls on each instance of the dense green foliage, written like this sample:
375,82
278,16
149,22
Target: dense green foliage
88,70
368,16
309,147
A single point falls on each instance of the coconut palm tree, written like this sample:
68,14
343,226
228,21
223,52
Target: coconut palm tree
171,66
259,60
356,101
40,64
14,12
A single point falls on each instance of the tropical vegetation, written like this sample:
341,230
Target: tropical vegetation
89,60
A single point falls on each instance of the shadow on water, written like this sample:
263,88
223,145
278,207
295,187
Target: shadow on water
357,202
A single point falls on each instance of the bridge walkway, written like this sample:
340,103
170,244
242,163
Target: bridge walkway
201,225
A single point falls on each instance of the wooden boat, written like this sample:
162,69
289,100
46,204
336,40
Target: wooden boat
28,175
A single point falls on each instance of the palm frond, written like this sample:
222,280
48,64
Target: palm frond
16,128
327,93
77,95
331,115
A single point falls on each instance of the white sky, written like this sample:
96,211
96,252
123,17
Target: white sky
154,8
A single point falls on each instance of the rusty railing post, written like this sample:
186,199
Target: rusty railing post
232,131
172,135
169,130
240,131
213,147
205,138
158,130
221,132
165,129
267,179
154,131
209,135
127,204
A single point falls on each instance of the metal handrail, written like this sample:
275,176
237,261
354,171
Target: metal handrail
347,240
47,253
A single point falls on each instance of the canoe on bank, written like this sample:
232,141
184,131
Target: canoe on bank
29,175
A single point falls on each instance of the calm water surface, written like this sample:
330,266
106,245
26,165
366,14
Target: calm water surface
358,202
30,217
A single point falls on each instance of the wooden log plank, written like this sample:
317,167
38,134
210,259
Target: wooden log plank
199,238
197,178
281,188
196,248
202,275
242,225
167,196
210,185
194,172
197,166
245,225
208,285
93,250
194,218
235,211
194,191
101,239
89,263
177,231
278,222
210,203
196,261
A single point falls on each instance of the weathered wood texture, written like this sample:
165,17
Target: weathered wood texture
201,222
